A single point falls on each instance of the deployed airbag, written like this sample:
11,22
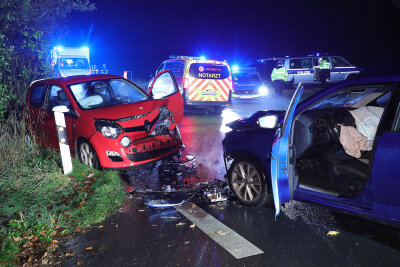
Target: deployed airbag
367,120
352,141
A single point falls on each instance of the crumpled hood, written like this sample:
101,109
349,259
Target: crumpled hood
251,121
126,110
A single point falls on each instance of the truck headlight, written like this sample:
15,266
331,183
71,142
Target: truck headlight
108,129
263,90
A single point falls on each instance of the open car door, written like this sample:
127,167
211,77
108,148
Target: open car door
282,159
164,86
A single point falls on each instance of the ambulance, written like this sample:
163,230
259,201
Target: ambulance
68,61
201,82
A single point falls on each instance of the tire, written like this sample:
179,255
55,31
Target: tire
254,194
88,156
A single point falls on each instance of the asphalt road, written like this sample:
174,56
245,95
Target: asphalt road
145,236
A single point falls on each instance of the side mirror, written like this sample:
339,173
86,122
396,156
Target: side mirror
61,109
268,121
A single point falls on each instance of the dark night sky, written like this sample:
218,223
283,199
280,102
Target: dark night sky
139,35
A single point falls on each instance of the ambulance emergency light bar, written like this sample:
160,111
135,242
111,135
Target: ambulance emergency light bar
185,57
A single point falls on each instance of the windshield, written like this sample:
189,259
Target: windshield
209,71
105,93
344,99
74,63
246,77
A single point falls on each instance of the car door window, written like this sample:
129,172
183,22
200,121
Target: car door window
35,99
301,63
397,120
339,62
163,86
57,97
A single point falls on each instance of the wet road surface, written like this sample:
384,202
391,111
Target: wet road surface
145,236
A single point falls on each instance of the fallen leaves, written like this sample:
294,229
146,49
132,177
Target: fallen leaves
180,224
79,263
219,233
332,233
100,226
192,226
89,248
17,238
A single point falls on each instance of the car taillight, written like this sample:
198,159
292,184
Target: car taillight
185,83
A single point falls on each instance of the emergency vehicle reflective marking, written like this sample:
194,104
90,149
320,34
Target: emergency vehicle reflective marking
203,84
231,241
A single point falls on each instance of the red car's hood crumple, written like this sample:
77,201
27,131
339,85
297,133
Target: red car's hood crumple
126,110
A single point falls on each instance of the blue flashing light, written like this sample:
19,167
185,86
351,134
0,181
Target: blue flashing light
58,48
203,58
85,49
317,54
235,68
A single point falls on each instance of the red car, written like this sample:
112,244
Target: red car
111,122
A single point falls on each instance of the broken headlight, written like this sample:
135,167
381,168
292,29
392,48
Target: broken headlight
165,113
108,129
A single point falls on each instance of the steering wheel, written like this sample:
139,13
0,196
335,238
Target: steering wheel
336,117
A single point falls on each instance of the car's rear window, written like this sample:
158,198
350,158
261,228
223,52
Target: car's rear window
209,71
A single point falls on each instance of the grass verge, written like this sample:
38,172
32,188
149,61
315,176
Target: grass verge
39,205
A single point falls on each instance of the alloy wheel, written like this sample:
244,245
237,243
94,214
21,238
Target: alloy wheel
86,154
246,182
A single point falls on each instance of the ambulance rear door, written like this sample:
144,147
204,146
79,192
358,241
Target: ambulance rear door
208,81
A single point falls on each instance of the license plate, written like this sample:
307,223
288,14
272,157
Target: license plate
209,92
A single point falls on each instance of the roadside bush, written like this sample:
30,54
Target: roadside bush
38,204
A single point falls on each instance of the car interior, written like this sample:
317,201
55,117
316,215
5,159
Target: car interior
322,163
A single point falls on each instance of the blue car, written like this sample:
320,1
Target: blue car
318,151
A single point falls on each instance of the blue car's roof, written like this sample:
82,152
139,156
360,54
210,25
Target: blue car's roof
369,80
373,80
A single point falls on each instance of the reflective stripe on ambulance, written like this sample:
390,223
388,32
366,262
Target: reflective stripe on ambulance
209,89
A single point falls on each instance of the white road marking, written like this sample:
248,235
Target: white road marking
234,243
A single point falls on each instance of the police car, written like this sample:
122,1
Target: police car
201,82
306,69
248,84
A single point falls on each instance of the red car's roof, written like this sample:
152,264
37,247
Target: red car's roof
77,79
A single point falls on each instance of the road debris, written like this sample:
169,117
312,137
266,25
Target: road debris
216,196
180,224
187,242
192,226
332,233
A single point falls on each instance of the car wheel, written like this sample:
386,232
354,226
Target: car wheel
247,182
88,156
